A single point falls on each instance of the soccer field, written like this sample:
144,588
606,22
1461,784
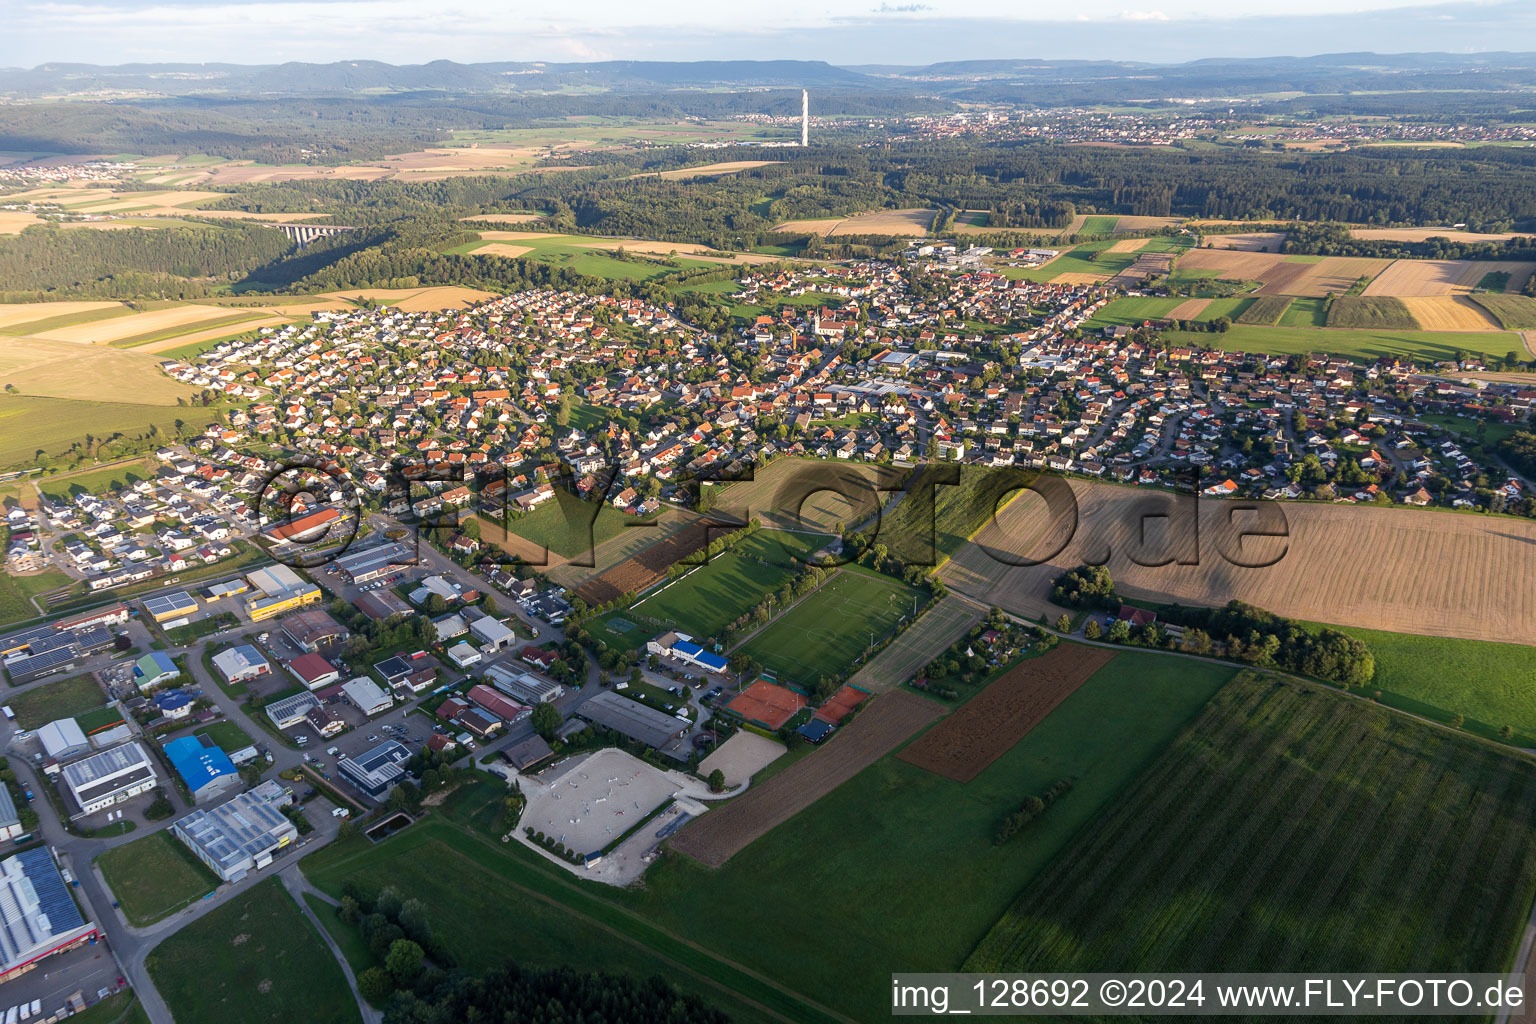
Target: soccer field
823,634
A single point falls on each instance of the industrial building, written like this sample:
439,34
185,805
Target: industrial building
523,686
374,563
152,669
109,777
508,711
376,771
493,634
314,671
63,740
175,605
207,771
44,651
10,821
242,834
633,719
290,711
278,589
312,629
367,695
237,664
38,917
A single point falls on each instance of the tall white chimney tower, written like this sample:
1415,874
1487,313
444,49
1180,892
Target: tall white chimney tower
805,118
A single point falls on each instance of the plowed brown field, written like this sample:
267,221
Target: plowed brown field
1398,569
988,725
718,836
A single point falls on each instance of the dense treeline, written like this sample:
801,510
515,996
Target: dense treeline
555,996
177,262
1262,638
333,130
1043,185
1336,240
1519,449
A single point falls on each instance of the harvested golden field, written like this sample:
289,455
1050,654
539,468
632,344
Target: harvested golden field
1231,264
1253,241
503,249
1519,272
1071,277
63,369
901,223
1188,309
104,332
714,170
14,222
211,333
15,314
1132,223
1419,277
1421,234
820,227
1403,570
1127,245
1330,275
1280,275
887,222
504,218
1449,313
1446,277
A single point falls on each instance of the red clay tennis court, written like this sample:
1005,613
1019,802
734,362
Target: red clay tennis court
840,704
766,704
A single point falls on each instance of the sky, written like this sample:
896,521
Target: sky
847,32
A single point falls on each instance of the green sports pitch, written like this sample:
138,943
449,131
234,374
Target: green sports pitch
825,634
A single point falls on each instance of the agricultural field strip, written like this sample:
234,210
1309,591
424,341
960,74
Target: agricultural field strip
919,644
1346,564
726,830
1269,837
987,726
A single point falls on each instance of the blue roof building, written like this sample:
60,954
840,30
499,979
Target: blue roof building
207,771
174,703
693,654
816,730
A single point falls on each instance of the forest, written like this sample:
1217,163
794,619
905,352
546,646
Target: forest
169,263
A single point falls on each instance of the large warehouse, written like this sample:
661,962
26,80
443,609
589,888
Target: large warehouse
372,563
240,835
38,917
279,589
207,771
633,719
109,777
175,605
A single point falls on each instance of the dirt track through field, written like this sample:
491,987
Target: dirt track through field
1436,573
988,725
722,833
